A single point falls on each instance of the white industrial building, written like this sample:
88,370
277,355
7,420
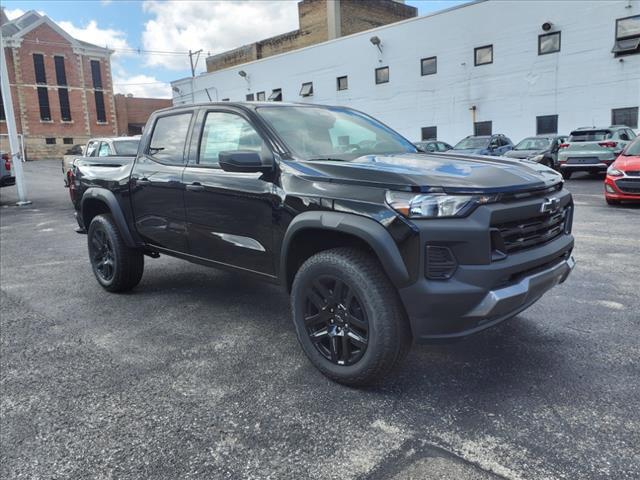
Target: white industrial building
524,66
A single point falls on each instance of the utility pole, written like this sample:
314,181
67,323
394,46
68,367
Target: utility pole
194,64
14,144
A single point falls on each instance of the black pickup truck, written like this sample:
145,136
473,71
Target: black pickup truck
378,244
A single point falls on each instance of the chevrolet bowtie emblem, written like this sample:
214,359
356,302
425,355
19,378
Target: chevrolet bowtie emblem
550,205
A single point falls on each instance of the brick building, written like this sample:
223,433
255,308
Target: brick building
61,86
319,20
132,112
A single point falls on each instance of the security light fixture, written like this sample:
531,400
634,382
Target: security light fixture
546,26
242,73
375,40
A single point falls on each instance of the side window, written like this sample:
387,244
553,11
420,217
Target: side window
622,135
225,132
169,137
91,149
441,147
495,142
104,150
631,134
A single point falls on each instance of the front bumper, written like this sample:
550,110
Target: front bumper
613,192
485,288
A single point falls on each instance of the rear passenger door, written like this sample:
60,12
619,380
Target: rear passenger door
229,214
157,194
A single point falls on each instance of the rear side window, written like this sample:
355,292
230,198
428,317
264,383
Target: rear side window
169,137
589,135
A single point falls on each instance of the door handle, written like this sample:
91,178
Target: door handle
143,181
195,187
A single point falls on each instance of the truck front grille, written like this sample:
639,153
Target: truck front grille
531,232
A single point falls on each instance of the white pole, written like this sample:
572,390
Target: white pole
14,143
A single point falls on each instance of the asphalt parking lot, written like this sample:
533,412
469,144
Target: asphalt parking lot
197,373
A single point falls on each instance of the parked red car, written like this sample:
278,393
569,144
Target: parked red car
623,176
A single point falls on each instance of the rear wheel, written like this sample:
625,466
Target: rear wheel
566,174
117,267
348,316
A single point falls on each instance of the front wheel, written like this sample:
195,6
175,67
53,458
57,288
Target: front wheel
348,317
117,267
566,174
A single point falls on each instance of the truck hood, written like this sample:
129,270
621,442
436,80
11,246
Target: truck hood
418,172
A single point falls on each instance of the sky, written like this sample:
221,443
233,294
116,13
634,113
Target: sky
164,31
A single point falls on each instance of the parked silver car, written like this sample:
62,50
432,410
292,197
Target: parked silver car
102,147
593,149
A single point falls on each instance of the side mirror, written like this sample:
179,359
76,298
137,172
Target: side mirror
243,161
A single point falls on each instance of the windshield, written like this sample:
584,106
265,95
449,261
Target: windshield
589,135
126,148
534,143
472,142
633,150
314,133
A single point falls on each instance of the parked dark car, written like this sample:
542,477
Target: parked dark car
433,146
541,148
494,145
6,177
378,244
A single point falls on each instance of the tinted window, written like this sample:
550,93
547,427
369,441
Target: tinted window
169,138
482,128
634,148
332,132
104,150
589,135
92,149
625,116
126,148
534,143
546,124
429,133
472,142
225,132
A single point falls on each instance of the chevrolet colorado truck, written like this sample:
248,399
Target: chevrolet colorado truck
378,244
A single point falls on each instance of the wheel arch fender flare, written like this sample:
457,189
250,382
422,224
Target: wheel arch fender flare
109,199
366,229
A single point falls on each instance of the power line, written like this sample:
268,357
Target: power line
122,50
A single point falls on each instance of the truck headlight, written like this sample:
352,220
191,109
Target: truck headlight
434,205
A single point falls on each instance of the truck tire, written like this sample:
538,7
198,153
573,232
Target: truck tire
117,267
566,174
348,316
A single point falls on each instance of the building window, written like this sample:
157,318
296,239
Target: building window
627,36
483,55
342,83
276,95
225,100
43,101
625,116
429,66
96,75
260,96
65,109
67,141
482,128
101,116
548,43
546,124
61,74
38,66
429,133
250,97
382,75
50,140
306,90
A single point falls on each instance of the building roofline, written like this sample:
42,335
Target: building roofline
334,40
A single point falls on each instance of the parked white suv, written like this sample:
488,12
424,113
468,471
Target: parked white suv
593,149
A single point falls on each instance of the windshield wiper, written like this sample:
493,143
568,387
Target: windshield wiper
326,159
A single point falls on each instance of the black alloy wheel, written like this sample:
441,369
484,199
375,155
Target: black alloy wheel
102,255
335,320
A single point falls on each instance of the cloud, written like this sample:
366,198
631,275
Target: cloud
13,13
214,26
141,86
114,39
